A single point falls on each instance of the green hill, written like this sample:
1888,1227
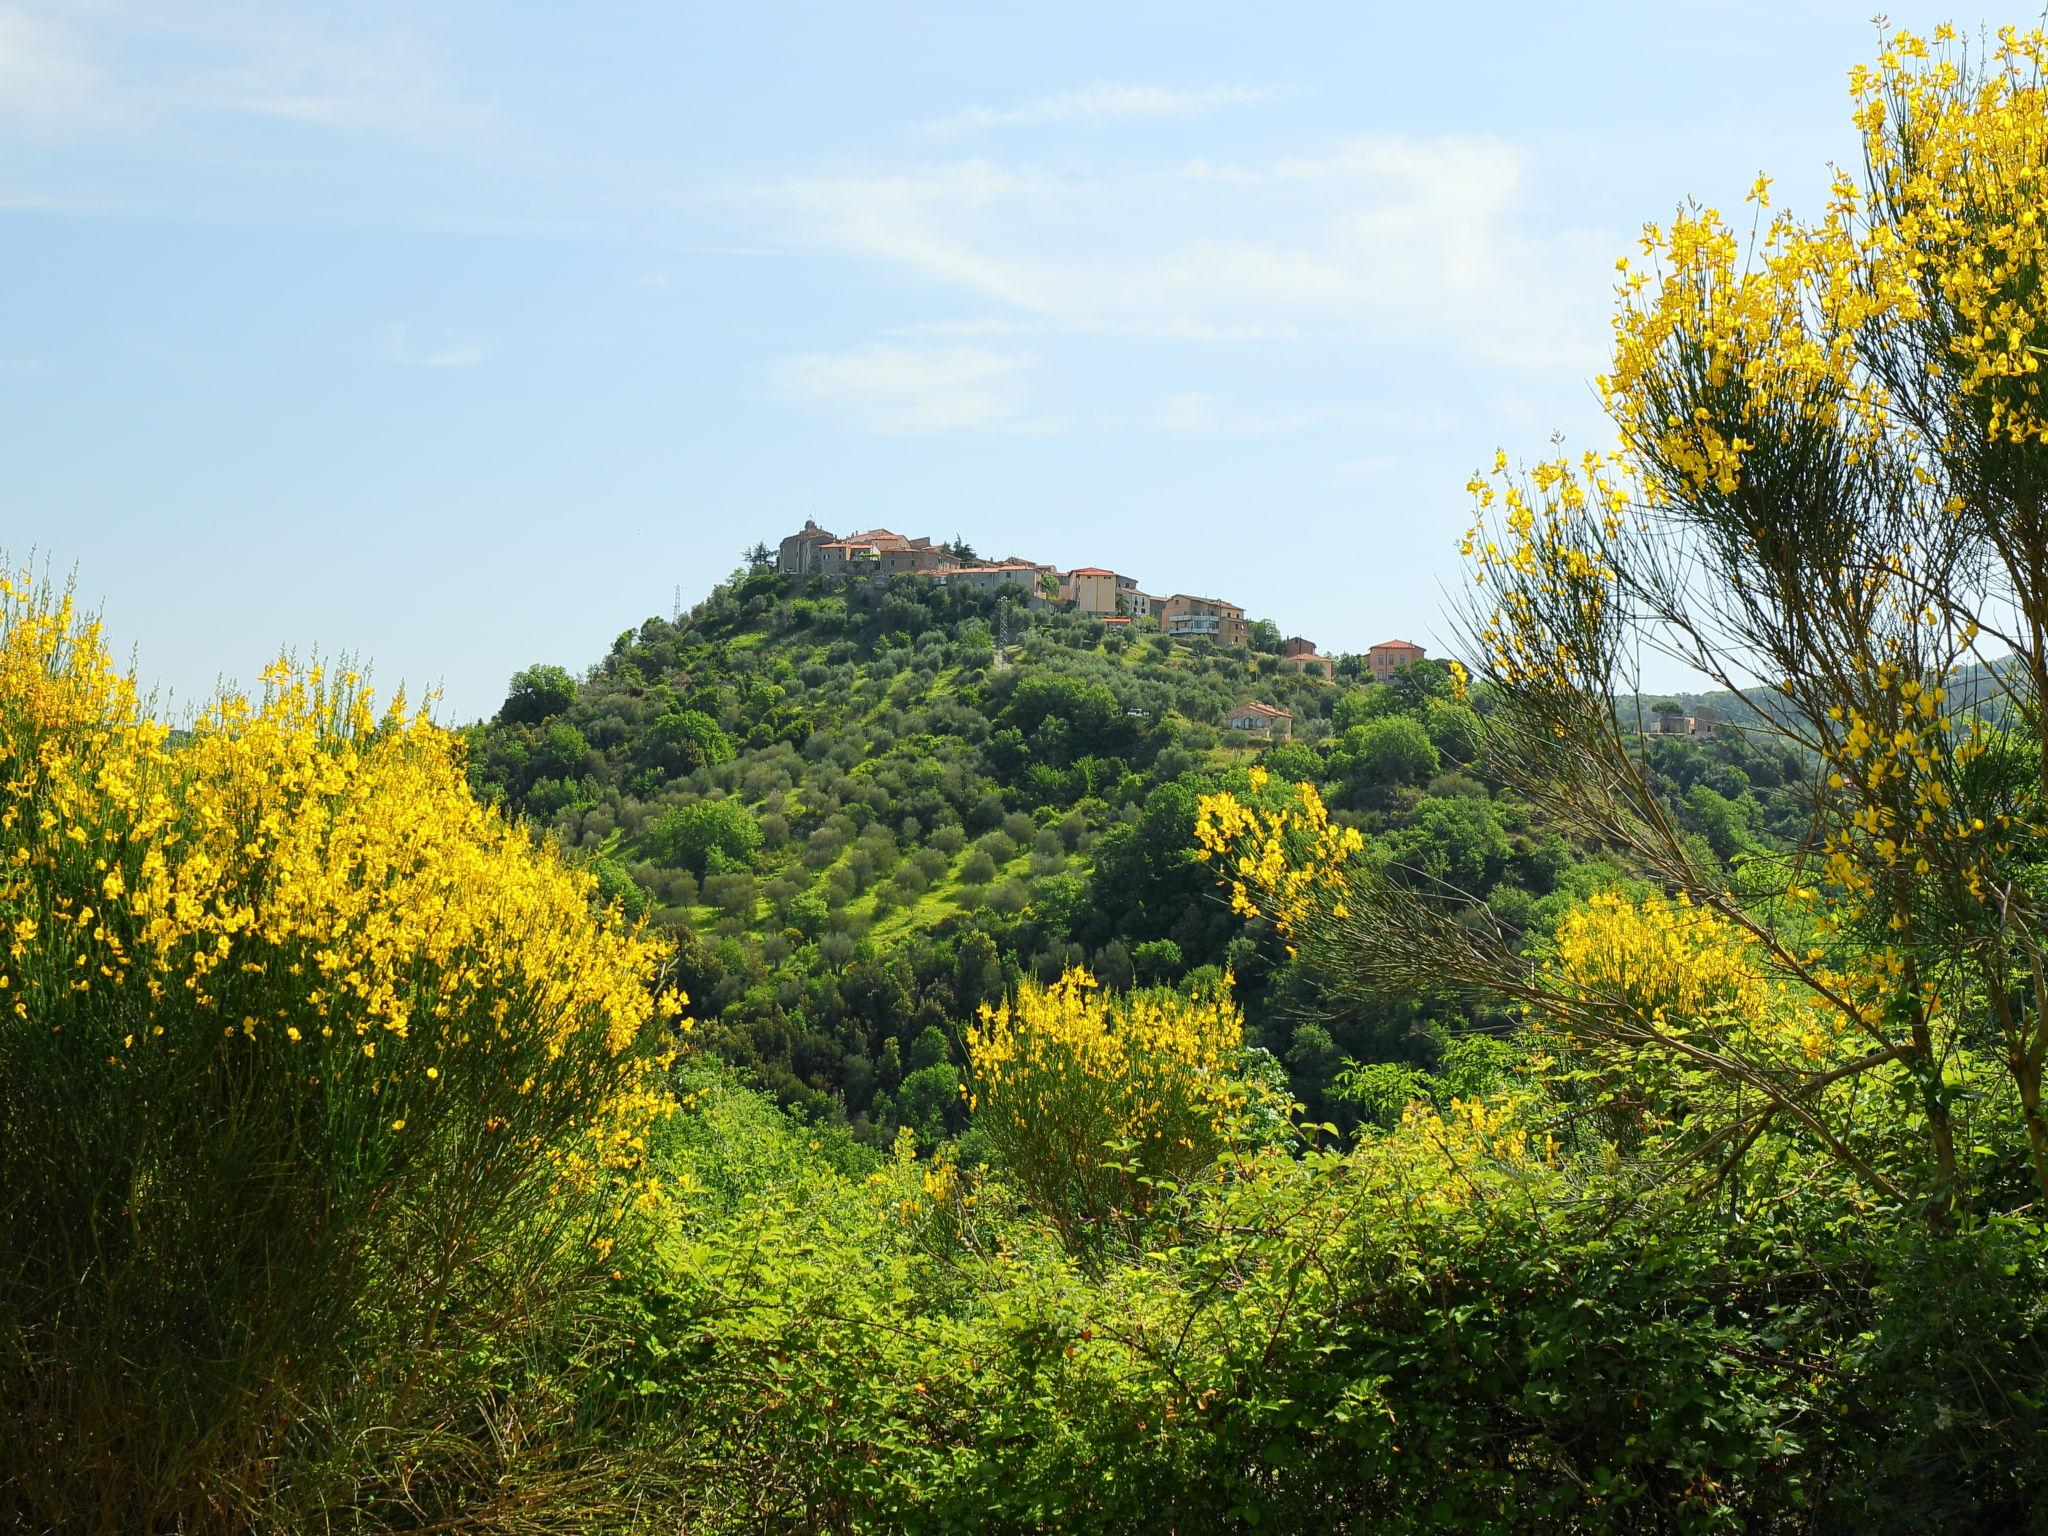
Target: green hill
863,822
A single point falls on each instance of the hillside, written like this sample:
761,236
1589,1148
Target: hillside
864,821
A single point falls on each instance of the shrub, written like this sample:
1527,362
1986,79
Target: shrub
1090,1098
315,1081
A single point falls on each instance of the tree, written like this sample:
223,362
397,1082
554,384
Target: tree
1114,967
1420,681
1158,962
1363,705
1454,730
928,1099
1392,751
705,832
679,741
1312,1063
537,693
977,973
1265,636
758,555
1832,473
1458,843
1294,761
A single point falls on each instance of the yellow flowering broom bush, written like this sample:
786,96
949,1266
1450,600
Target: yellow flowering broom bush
319,1086
1092,1099
1830,480
1276,848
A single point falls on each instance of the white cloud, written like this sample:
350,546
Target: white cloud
915,390
1436,244
1104,103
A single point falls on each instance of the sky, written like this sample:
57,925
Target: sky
456,337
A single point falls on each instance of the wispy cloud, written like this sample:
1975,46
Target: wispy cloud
1169,330
1432,243
915,391
71,70
1104,102
396,345
1209,415
50,85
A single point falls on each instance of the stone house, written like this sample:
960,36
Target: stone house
879,553
798,554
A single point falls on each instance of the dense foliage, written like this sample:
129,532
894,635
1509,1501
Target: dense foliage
1691,1160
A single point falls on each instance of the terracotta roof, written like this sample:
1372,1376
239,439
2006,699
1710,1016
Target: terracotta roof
1090,570
1406,645
1255,707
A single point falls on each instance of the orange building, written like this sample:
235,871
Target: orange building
1389,656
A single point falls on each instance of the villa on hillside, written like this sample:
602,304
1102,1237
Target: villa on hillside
1700,722
1389,656
1259,719
1191,618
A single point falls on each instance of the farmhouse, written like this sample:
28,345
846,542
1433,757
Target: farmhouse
1259,719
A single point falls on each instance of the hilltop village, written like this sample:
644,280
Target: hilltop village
1106,595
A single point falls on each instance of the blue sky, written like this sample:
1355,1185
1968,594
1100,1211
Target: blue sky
461,336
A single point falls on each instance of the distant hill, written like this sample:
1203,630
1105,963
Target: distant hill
1972,687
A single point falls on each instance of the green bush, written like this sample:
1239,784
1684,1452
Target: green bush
690,835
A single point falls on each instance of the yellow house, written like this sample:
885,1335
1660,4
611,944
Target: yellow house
1091,590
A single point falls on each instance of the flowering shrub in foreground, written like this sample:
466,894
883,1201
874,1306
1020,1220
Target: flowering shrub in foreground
1091,1098
314,1076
